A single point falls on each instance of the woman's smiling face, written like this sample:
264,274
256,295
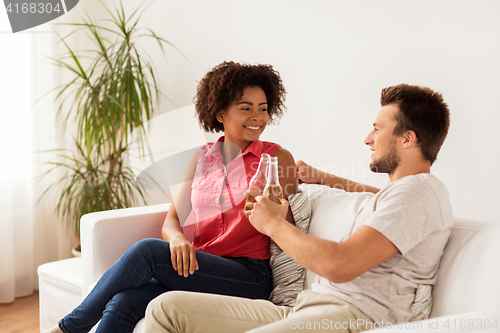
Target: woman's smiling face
245,119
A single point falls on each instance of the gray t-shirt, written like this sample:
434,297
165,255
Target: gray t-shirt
415,214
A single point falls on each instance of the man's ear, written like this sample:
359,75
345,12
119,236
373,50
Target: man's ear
410,139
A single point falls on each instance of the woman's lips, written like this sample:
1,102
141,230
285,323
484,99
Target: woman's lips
254,129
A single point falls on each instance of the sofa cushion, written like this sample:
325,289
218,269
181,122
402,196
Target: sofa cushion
469,271
288,275
333,211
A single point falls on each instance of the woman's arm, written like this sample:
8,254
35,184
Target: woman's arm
182,251
288,176
311,175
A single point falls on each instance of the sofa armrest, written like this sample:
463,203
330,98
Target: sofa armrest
486,320
105,236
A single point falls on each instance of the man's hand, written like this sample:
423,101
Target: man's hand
308,174
183,255
265,214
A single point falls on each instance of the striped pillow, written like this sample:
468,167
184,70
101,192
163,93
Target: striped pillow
422,305
289,276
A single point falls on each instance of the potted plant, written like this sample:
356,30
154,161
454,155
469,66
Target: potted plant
116,93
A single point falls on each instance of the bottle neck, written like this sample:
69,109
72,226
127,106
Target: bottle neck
272,176
262,169
259,180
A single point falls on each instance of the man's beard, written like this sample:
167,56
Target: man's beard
388,163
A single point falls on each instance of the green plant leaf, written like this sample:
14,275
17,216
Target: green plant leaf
105,100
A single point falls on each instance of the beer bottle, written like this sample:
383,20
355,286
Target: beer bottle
273,190
258,181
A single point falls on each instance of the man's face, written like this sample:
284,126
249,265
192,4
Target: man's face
382,142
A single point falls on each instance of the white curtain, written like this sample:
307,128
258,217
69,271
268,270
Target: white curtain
29,233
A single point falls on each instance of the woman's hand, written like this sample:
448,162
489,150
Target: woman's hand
183,255
308,174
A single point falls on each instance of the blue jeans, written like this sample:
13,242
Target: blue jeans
145,271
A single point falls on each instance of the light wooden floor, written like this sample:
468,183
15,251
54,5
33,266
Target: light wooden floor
20,316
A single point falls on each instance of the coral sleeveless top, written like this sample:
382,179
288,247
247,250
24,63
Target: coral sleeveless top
218,197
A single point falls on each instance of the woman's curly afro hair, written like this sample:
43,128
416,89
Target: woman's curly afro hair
225,84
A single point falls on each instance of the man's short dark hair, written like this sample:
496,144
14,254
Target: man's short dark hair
423,111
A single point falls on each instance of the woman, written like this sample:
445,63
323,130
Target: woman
227,256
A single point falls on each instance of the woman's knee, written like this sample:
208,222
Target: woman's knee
149,246
150,242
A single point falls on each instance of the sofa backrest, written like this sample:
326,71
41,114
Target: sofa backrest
469,271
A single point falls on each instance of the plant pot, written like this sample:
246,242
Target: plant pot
76,251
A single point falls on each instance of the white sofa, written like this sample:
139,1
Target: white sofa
466,296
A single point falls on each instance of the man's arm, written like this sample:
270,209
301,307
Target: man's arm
338,262
311,175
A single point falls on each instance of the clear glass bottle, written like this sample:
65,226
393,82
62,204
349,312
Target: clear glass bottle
258,181
273,190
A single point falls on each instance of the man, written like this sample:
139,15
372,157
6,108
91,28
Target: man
369,279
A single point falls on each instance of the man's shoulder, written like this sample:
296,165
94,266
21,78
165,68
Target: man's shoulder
423,194
424,183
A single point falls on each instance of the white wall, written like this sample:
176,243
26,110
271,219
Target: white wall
335,57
